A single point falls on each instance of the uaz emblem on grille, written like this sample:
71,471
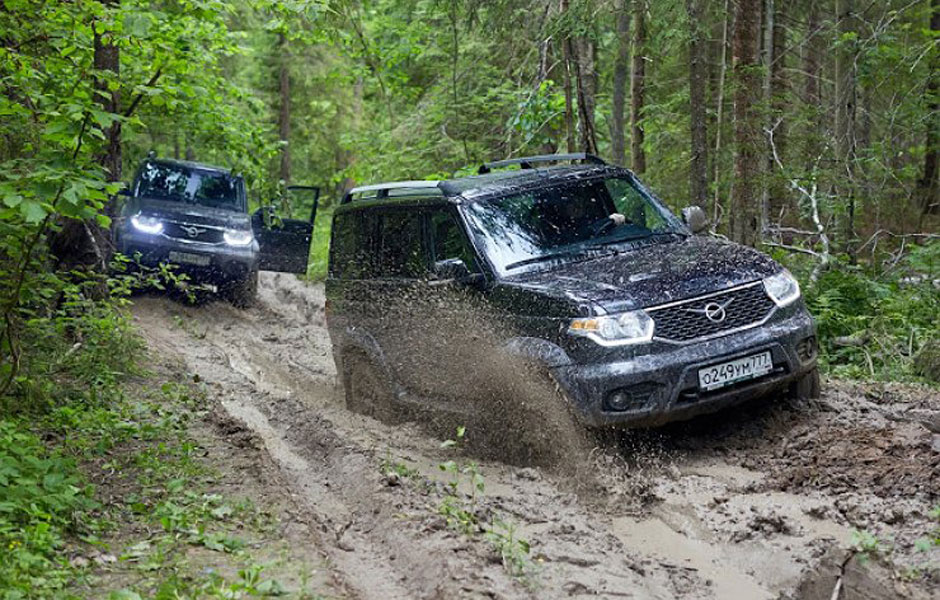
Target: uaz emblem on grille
193,231
713,311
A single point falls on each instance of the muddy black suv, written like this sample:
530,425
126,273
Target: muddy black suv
196,217
436,289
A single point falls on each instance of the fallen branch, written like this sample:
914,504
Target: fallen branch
901,236
810,194
796,249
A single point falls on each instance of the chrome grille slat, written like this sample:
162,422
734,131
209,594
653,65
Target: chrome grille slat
747,306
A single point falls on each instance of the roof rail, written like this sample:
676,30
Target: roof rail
382,189
526,162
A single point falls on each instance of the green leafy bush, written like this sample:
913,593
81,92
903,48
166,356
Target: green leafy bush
875,324
42,497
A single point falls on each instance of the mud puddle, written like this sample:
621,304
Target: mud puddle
759,503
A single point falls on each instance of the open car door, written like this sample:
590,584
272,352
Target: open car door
284,244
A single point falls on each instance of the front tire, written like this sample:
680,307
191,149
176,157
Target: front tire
807,387
368,390
242,292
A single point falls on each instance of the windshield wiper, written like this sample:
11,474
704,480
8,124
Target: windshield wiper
637,238
595,251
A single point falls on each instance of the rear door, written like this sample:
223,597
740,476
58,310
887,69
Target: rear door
284,244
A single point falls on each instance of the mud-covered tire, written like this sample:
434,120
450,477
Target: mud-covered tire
243,292
547,428
807,387
368,390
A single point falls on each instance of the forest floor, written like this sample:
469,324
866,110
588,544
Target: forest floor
774,500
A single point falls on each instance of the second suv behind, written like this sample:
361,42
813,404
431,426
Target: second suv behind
195,216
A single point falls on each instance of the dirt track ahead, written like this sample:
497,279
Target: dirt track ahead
757,503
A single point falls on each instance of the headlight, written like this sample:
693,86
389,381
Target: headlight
782,288
151,225
615,330
238,237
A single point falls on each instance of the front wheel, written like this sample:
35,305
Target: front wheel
242,292
806,387
368,391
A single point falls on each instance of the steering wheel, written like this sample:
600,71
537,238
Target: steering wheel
602,226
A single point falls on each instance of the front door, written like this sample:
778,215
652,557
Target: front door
284,244
398,308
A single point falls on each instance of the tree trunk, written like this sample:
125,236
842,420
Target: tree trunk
698,172
811,95
84,243
586,84
777,190
744,206
719,116
618,147
566,52
929,185
283,115
637,86
107,57
845,116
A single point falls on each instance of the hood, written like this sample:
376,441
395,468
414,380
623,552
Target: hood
652,274
185,212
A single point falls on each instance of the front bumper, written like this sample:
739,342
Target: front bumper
665,381
225,263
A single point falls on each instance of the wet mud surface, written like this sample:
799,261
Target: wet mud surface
758,502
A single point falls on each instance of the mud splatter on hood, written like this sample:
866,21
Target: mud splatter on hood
651,274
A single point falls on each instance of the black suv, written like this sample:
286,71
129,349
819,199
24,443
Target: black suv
581,271
196,216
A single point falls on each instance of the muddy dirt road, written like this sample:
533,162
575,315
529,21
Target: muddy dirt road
758,503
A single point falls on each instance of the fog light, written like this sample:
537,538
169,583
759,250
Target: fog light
630,398
619,401
806,349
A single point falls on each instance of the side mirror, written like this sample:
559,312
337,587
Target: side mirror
451,269
694,218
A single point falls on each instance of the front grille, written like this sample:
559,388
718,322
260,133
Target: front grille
688,320
195,233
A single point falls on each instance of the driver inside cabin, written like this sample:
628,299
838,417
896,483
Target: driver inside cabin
579,216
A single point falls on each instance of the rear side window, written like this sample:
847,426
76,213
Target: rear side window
401,251
350,247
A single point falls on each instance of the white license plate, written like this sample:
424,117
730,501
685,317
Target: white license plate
191,259
741,369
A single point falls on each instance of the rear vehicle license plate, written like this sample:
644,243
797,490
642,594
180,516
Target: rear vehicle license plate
191,259
741,369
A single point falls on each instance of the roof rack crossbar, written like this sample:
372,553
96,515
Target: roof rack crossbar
381,189
526,162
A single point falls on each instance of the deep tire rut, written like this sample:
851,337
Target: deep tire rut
747,505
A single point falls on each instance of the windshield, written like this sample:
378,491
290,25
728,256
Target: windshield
567,222
194,186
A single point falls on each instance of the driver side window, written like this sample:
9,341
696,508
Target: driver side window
449,241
